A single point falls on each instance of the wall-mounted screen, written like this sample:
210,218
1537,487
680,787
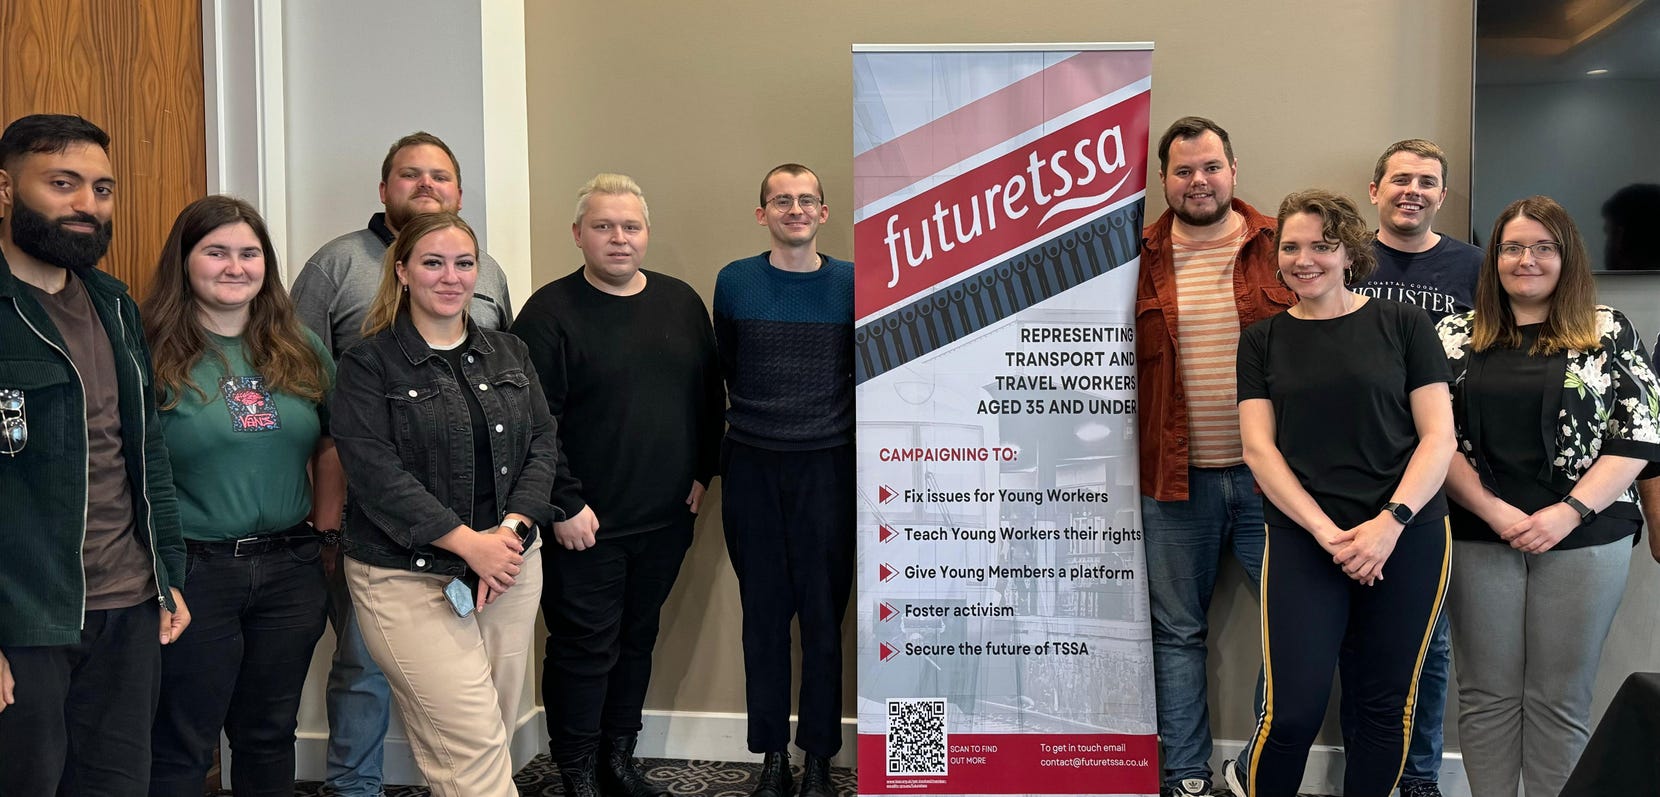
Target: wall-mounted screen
1567,104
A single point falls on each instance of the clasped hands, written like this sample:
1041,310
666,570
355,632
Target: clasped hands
496,556
1362,550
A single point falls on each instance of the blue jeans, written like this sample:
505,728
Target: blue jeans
359,700
240,667
1423,757
1184,541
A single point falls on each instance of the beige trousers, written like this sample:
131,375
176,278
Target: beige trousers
456,680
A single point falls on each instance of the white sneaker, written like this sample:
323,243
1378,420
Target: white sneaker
1230,773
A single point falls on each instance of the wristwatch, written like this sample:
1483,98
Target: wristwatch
518,526
1586,514
1401,512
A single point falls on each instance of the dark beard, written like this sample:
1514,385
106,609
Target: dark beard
47,241
1202,221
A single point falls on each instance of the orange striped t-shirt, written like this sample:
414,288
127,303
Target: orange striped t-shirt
1207,333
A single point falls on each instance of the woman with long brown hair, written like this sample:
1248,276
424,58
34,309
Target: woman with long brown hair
242,387
452,458
1555,409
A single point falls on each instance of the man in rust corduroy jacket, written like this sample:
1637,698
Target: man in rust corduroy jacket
1210,261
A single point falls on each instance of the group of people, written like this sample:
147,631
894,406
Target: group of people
1328,388
209,478
387,449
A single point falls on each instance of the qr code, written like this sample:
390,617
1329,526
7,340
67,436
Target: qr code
916,737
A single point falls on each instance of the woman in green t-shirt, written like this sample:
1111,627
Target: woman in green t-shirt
243,388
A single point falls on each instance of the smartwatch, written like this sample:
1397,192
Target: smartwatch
1586,514
1399,511
518,526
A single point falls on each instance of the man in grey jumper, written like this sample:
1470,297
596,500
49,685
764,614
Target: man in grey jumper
332,294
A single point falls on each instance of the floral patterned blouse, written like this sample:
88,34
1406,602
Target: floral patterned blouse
1609,402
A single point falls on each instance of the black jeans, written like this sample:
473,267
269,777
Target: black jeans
241,667
789,530
602,606
81,723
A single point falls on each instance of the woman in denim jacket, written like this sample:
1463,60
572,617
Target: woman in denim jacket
1555,406
450,456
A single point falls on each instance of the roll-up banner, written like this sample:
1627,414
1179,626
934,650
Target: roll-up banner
1004,639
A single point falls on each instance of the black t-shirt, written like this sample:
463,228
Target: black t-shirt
484,477
1505,389
1341,389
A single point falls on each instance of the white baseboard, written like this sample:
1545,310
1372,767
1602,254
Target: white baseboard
1324,773
701,735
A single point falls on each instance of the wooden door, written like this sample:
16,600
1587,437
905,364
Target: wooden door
134,68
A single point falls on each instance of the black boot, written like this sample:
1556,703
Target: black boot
815,777
775,778
580,777
619,773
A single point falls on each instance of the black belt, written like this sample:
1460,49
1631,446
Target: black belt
254,546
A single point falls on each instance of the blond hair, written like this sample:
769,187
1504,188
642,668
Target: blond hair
390,299
613,185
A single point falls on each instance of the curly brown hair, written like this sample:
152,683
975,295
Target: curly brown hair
1340,221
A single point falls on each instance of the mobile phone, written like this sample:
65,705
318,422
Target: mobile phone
460,595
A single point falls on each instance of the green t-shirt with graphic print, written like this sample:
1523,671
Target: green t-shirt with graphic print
239,455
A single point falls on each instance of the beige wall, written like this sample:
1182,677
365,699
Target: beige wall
697,100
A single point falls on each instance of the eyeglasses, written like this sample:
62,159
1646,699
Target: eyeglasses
1544,250
14,424
784,202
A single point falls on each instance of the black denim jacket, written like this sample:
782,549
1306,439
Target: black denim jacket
404,434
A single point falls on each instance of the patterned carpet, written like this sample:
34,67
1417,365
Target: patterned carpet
688,778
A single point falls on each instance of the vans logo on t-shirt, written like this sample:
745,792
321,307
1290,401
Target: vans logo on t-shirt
252,408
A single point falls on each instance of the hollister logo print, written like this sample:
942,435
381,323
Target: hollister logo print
252,408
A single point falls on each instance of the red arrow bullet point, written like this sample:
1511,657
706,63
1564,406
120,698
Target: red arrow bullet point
885,494
888,651
885,572
884,534
885,612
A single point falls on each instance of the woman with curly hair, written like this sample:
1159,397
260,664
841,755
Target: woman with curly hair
1346,423
242,388
1555,406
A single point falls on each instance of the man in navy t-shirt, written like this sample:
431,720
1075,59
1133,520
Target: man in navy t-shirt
1417,265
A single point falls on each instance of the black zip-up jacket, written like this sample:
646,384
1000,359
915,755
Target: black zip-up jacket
43,489
404,434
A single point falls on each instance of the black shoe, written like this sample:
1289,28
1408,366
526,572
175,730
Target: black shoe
775,780
1420,788
815,777
580,777
619,773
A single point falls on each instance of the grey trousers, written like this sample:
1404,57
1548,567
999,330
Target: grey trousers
1527,633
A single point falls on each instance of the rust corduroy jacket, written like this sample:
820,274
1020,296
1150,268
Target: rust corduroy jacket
1161,405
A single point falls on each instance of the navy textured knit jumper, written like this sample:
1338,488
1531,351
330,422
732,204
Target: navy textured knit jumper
786,348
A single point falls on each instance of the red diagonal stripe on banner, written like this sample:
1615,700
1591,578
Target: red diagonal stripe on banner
994,118
1001,206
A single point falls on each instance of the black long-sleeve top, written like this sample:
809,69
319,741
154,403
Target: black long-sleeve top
636,387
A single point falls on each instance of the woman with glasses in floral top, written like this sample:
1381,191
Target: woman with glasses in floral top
1555,410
